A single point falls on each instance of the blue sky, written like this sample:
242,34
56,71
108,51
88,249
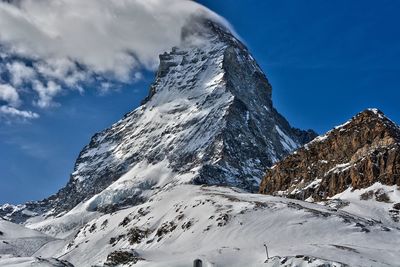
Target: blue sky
326,60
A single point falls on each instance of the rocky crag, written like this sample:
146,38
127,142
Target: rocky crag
357,154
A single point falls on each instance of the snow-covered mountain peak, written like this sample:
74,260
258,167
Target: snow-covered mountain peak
208,119
201,28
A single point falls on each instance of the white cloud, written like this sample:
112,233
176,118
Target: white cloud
112,36
73,42
63,70
20,72
46,93
10,95
7,112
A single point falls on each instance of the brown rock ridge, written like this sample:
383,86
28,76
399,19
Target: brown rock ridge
357,154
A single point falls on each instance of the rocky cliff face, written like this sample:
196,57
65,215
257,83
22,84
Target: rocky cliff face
358,154
208,119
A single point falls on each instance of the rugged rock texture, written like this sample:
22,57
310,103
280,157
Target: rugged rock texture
208,119
357,154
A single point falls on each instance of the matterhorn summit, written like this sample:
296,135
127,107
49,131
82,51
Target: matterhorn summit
208,119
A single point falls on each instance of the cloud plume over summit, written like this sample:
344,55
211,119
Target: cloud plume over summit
51,46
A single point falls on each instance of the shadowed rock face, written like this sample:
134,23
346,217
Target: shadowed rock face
208,118
357,154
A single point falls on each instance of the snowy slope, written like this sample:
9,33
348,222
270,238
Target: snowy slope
379,202
227,227
32,262
18,240
18,245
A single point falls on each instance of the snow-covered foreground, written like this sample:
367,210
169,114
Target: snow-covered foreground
226,227
18,245
18,240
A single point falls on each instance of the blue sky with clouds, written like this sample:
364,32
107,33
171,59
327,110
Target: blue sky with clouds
326,61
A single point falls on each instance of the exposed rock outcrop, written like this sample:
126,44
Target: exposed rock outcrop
359,153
